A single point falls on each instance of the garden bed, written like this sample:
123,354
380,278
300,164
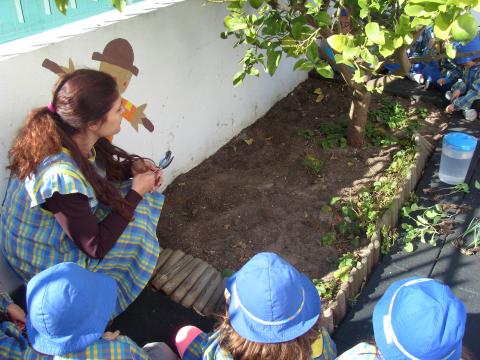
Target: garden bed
284,183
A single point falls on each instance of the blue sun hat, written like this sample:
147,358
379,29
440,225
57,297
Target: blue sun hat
471,46
68,308
419,318
271,301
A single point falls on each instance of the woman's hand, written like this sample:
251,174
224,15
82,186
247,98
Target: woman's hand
108,335
145,182
17,316
143,165
450,109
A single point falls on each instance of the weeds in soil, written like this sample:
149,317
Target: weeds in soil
345,264
328,238
389,239
313,164
359,214
334,135
327,288
422,113
308,134
390,124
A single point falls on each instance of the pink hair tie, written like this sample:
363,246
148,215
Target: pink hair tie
51,107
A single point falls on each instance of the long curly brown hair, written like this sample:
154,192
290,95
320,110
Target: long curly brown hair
80,98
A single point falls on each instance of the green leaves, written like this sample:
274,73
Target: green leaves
345,264
337,42
443,24
255,3
324,69
426,226
477,185
408,247
273,60
234,23
299,28
303,64
328,238
238,78
374,34
414,9
464,28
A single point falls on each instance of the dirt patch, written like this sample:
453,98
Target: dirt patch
256,194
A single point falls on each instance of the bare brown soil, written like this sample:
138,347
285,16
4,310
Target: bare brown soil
255,194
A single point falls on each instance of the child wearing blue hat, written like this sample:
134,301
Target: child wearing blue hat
273,313
69,308
467,89
417,319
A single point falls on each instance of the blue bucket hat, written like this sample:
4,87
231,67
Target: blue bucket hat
271,301
68,308
419,318
471,46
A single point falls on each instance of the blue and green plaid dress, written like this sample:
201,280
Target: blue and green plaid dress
32,240
13,346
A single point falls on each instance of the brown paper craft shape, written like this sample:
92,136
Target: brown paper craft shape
116,59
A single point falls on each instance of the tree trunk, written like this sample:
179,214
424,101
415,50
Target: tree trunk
358,117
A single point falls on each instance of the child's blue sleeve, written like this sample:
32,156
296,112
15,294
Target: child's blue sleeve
13,344
460,86
465,102
453,73
5,300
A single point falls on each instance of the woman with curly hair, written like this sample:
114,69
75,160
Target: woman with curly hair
73,196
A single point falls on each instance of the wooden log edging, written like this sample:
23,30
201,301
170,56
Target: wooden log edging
370,254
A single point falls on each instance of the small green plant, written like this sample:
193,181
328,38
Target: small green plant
422,113
458,188
427,225
474,230
328,239
308,134
326,289
227,273
345,264
359,214
313,164
390,117
389,239
462,187
333,135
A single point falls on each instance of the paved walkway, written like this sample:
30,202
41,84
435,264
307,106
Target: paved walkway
443,262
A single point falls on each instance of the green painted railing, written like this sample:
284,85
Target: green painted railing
20,18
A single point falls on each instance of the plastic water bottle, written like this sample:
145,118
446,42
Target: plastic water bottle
457,152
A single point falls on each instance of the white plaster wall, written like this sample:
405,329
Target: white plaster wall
185,78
